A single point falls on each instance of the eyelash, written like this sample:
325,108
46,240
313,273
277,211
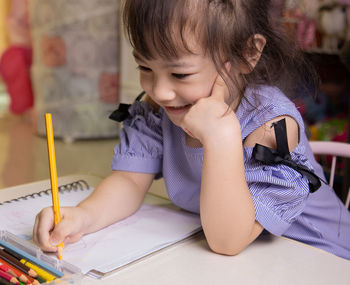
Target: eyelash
143,68
180,76
176,75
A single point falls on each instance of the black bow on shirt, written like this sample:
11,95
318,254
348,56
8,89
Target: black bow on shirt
282,156
122,112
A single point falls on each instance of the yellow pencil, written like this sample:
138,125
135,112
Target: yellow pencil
53,175
41,272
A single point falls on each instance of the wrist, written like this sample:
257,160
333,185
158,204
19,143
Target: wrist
87,219
228,132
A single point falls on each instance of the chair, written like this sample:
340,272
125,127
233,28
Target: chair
334,149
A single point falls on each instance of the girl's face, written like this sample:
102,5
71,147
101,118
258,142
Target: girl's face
175,85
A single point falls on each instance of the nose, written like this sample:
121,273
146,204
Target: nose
162,89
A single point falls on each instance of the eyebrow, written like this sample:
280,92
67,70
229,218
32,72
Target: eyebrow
170,64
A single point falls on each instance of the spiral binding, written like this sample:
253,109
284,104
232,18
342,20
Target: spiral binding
74,186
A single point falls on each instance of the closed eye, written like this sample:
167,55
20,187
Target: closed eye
144,68
180,76
176,75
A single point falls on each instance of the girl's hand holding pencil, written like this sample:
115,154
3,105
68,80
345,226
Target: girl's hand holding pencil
69,230
49,231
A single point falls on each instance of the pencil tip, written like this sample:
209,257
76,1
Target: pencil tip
60,250
32,273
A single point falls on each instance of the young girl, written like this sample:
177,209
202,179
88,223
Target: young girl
217,125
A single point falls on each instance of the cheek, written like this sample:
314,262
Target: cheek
146,83
204,84
201,89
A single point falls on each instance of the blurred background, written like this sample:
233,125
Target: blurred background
70,58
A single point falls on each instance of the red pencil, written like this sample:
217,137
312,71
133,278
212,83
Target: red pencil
4,267
14,272
8,277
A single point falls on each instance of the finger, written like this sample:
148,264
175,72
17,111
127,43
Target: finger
59,233
72,238
43,225
35,229
63,230
219,90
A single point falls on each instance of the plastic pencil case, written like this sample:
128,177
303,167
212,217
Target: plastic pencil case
72,274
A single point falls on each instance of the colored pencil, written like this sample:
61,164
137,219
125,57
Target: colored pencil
41,272
41,280
8,277
19,254
4,267
13,271
16,263
53,175
33,281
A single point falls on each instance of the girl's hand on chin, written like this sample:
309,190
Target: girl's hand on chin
210,119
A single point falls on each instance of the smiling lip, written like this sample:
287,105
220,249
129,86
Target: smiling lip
177,110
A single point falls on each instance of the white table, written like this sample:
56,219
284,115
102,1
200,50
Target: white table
268,260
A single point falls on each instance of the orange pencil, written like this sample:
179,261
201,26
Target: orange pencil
53,175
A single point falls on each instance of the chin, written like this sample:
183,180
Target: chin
176,121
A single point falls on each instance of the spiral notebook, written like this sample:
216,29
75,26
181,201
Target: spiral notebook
150,229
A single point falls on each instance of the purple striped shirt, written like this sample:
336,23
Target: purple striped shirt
151,143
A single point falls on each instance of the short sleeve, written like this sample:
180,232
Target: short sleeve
141,142
279,192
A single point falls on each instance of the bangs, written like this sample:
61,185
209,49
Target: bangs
163,28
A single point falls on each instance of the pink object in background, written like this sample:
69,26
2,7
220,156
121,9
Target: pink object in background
306,32
335,149
15,69
16,60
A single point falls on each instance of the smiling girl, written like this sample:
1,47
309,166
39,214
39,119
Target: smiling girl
217,125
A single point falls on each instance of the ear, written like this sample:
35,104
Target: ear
252,54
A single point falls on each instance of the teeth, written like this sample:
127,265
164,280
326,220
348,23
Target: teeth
179,107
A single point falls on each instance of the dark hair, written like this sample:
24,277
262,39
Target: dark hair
225,30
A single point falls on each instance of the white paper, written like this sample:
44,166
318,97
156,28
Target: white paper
149,229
